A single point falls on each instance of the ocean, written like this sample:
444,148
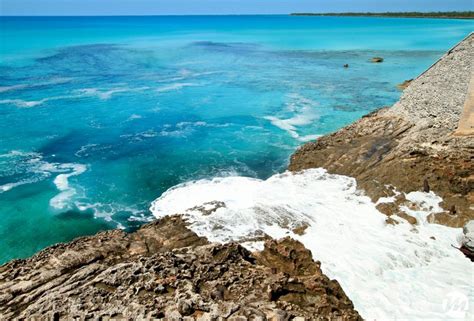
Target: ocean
110,122
101,115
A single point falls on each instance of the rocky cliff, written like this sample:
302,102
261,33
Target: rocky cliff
165,271
412,145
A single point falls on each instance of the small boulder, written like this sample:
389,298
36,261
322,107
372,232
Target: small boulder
346,66
390,221
278,315
468,231
389,208
185,308
426,186
408,218
300,230
467,243
404,84
377,59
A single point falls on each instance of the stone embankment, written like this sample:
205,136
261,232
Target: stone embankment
414,145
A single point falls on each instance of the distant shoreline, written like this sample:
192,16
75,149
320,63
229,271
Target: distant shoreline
448,15
435,15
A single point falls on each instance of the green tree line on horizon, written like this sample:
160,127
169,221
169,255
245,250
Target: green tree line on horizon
414,14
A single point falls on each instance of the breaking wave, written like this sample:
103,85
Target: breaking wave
381,267
30,167
61,181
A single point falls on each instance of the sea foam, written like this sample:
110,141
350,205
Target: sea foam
61,181
106,94
389,271
303,113
31,168
33,103
12,88
24,103
27,169
175,86
52,81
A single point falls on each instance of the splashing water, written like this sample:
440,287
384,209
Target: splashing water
389,271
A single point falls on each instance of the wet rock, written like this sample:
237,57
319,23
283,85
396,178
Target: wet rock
426,186
388,208
408,218
390,221
300,230
376,59
209,207
404,84
468,231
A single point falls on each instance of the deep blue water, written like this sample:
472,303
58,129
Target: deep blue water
99,116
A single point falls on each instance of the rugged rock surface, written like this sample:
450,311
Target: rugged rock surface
410,146
467,244
165,271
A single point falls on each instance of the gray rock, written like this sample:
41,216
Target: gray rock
468,231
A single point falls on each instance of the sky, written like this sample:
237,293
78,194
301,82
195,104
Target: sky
184,7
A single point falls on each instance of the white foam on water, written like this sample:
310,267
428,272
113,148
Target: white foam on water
307,138
134,116
388,271
84,150
33,103
303,114
9,186
185,124
61,201
185,128
24,103
32,168
182,76
10,88
104,94
52,81
106,211
175,86
30,164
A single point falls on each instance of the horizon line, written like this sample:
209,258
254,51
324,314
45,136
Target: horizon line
232,14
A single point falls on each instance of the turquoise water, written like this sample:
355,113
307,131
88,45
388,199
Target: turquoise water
99,116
